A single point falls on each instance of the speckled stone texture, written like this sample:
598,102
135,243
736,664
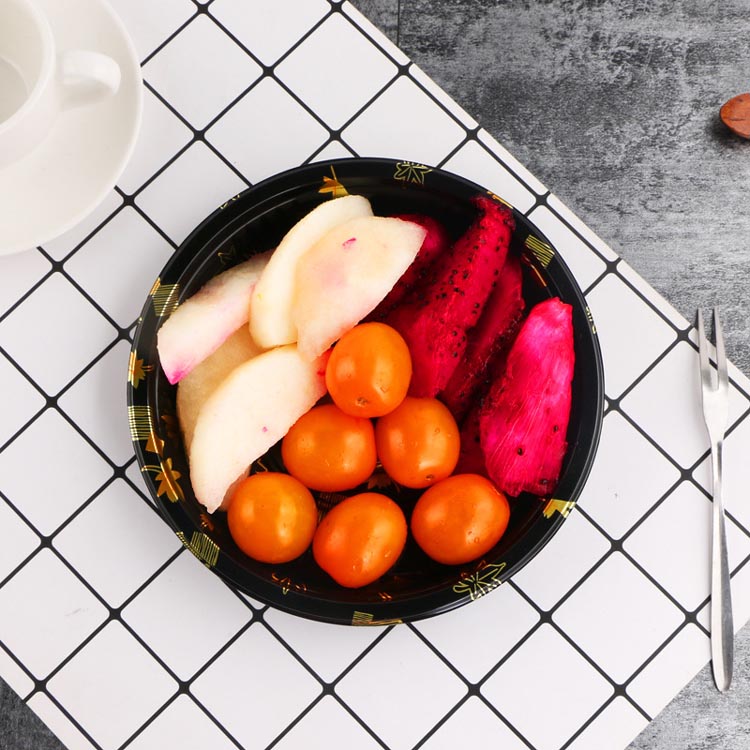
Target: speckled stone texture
614,106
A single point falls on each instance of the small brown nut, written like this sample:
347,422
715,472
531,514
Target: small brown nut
735,114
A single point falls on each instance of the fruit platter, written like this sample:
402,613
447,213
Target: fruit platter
365,391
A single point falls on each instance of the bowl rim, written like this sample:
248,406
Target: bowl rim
282,593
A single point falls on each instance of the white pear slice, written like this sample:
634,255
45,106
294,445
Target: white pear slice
249,411
347,274
271,322
198,385
201,324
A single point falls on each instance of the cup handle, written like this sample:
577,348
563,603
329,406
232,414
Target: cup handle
86,77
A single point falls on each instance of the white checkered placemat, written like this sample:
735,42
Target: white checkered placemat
118,637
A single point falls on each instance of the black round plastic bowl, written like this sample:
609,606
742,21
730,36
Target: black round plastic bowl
255,221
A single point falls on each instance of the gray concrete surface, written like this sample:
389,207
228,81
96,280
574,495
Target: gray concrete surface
614,105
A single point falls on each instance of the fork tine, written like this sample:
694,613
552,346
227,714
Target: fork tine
705,367
721,357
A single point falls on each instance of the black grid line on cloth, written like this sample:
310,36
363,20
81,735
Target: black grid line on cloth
403,71
52,404
334,133
59,272
129,198
605,274
154,226
120,334
183,689
619,689
686,473
185,686
682,336
634,561
491,706
268,69
45,538
470,136
39,545
199,134
40,685
48,401
329,142
599,711
609,263
546,616
689,615
329,687
58,264
118,472
114,615
170,37
589,573
618,545
474,687
46,275
22,667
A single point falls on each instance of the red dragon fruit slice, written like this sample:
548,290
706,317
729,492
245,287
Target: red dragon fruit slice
524,418
471,456
492,333
436,242
436,315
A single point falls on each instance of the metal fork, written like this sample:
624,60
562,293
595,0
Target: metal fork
715,398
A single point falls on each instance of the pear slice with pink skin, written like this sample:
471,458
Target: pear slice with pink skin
271,322
198,385
203,322
345,275
250,410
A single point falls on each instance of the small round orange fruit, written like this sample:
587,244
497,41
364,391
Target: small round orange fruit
460,519
360,539
369,370
328,450
418,442
272,517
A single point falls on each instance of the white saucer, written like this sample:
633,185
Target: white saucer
69,174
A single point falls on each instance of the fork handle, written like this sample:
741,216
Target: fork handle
722,626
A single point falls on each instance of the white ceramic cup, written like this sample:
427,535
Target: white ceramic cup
38,82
